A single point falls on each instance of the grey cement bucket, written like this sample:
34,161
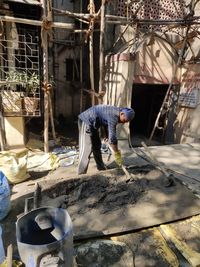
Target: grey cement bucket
45,238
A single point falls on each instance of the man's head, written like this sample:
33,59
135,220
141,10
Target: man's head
126,115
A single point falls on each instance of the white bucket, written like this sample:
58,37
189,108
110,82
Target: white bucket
2,251
45,235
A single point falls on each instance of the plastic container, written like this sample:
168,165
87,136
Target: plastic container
45,238
2,251
4,196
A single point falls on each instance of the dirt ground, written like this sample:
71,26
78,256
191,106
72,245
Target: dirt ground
25,190
101,192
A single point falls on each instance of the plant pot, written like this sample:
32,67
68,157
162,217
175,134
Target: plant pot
31,104
11,101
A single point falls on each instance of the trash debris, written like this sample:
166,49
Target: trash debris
66,155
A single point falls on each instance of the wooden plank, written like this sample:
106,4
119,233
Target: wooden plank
61,25
192,256
9,255
148,245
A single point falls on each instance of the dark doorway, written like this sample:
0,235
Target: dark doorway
146,101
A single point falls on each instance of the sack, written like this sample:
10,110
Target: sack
4,196
14,165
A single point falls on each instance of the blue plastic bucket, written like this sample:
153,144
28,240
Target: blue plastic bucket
2,251
4,196
45,238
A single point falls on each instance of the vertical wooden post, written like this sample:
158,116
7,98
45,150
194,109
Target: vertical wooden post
2,140
81,61
51,118
45,80
91,54
101,49
9,255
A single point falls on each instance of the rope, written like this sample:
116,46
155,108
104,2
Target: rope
47,87
91,9
47,24
90,29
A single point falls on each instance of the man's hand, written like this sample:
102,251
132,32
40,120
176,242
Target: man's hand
118,158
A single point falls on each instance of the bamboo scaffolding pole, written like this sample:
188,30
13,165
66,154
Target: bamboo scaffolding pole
101,50
2,139
68,26
45,81
120,19
51,118
75,15
81,62
111,19
91,51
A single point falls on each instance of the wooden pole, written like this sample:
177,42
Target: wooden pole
91,52
68,26
81,61
51,118
9,255
101,50
2,141
45,80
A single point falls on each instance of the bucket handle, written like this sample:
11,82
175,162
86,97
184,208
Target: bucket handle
35,198
26,205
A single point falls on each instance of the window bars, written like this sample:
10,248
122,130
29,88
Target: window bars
20,71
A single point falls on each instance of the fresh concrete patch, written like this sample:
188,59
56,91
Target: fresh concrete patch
108,203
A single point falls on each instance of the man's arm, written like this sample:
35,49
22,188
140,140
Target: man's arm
113,144
104,132
114,147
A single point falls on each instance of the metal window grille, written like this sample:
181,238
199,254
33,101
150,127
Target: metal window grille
20,71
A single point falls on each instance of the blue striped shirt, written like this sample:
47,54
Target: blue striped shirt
102,115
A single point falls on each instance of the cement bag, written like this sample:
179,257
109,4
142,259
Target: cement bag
14,165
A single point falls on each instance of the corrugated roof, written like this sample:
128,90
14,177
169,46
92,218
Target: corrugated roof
29,2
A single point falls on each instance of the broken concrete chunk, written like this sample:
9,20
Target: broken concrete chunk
105,253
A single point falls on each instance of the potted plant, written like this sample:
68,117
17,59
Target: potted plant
22,91
31,99
11,94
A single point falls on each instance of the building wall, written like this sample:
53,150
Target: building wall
187,125
156,49
64,57
14,131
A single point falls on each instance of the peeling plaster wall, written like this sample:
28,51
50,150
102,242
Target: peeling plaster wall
187,125
155,62
156,56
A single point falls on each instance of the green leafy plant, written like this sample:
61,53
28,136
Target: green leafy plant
33,83
29,82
